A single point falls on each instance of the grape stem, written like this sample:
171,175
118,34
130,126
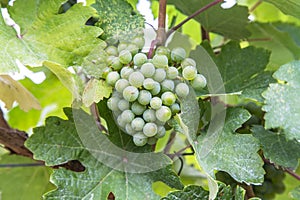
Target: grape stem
255,5
96,115
204,8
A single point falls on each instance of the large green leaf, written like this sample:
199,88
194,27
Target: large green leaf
46,35
281,101
117,19
64,142
228,22
280,38
276,148
20,179
295,194
290,7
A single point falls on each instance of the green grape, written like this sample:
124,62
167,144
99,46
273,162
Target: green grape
182,90
106,71
110,59
168,98
188,62
172,73
134,49
130,93
123,105
161,50
136,79
112,103
144,97
156,89
199,82
167,85
129,129
149,83
178,54
121,121
116,64
163,114
148,69
125,72
149,115
152,140
112,78
121,84
161,131
127,116
189,73
159,75
279,187
139,59
112,50
160,61
156,103
137,108
122,46
139,139
139,41
175,108
125,57
150,129
137,124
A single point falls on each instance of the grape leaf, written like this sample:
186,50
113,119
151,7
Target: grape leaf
276,148
239,71
281,101
15,177
11,91
295,194
289,7
192,192
47,35
280,38
94,91
228,22
63,142
117,19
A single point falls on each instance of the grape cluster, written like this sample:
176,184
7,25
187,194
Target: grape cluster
148,91
272,185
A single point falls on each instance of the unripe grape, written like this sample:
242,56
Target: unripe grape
160,61
123,105
182,90
161,132
112,78
156,89
172,72
112,103
161,50
121,84
150,129
139,59
125,57
149,115
178,54
139,41
163,114
156,103
129,129
160,75
116,64
198,82
106,71
136,79
152,140
149,83
112,50
188,62
122,46
127,116
137,108
137,124
139,139
167,85
144,97
189,73
121,121
168,98
110,59
134,49
125,72
130,93
175,108
148,69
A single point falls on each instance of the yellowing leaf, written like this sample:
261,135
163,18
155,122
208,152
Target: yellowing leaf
11,91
